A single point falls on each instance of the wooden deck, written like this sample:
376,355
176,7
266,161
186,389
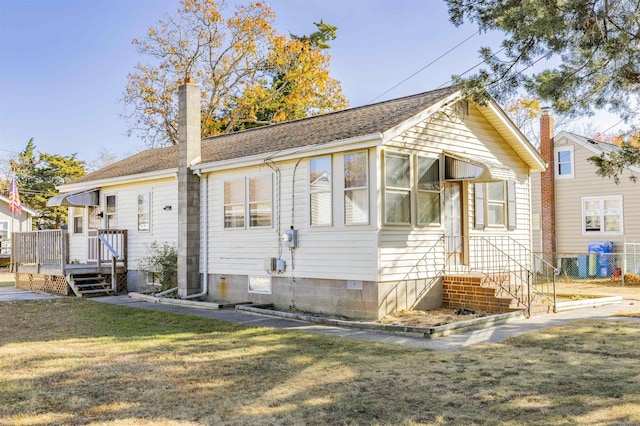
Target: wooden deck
40,260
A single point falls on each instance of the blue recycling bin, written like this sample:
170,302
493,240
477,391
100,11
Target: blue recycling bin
602,251
583,265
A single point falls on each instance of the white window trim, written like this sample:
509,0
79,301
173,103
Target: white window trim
502,203
556,163
357,188
309,192
410,190
259,277
602,199
248,202
76,210
149,211
440,223
245,207
4,228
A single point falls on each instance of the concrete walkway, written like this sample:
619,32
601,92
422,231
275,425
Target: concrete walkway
490,334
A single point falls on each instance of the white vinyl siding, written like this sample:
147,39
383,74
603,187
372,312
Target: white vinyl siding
324,252
403,250
162,192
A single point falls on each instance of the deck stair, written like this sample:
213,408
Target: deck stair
90,284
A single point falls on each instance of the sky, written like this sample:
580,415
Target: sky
64,63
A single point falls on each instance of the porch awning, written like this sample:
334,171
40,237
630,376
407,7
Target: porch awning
466,167
80,198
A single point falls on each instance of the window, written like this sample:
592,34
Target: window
356,193
564,162
602,214
4,230
320,190
260,201
397,201
260,284
496,204
234,204
110,212
144,207
78,213
428,191
94,217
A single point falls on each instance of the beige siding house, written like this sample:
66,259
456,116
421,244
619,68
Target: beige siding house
588,208
358,212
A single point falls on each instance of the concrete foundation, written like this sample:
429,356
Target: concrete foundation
351,299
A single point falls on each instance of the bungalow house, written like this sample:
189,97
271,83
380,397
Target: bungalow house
575,211
358,212
11,223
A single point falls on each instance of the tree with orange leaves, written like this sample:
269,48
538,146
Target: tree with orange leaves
248,73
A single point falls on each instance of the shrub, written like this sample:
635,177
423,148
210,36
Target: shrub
162,262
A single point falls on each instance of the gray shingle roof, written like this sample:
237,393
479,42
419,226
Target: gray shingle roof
330,127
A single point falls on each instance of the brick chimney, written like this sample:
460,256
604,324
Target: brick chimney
547,186
188,190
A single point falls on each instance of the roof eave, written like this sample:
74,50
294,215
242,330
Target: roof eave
140,177
514,137
357,142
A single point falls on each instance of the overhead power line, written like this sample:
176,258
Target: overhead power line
424,67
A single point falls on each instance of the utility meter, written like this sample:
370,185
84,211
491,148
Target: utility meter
290,238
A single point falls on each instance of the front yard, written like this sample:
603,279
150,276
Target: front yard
75,361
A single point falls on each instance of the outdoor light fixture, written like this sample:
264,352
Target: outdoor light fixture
167,208
100,215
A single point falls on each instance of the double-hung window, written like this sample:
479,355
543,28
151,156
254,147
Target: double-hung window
250,197
234,207
428,191
564,162
397,201
144,212
78,220
260,201
320,190
602,214
496,204
356,192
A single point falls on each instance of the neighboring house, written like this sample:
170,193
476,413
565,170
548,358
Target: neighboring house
572,205
343,213
9,224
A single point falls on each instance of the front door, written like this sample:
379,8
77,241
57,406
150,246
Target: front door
92,234
454,244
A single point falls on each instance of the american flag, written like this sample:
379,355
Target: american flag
14,199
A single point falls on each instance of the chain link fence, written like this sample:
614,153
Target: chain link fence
597,265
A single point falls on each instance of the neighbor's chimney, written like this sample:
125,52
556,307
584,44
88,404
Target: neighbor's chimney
188,190
547,186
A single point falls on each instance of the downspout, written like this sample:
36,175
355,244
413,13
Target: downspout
204,235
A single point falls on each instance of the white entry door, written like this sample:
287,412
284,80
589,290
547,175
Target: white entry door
454,244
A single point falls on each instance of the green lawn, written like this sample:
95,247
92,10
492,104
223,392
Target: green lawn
75,361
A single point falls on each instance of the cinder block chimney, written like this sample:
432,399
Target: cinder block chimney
547,186
188,190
